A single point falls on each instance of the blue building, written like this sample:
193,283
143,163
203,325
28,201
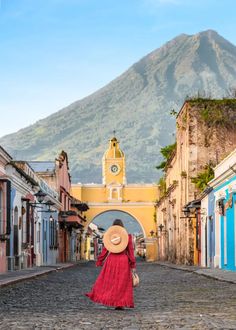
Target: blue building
47,227
224,220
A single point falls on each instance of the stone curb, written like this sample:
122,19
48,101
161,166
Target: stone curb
197,271
216,277
26,277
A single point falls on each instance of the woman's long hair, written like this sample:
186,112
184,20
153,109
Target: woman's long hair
118,222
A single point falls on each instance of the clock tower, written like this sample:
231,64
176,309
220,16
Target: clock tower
113,164
114,194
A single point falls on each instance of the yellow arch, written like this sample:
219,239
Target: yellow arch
139,222
138,200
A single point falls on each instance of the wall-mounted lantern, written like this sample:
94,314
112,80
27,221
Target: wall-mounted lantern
152,233
190,209
186,211
40,195
161,227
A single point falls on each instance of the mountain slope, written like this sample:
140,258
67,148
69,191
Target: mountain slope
136,104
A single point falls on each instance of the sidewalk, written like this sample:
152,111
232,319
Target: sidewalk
216,273
30,273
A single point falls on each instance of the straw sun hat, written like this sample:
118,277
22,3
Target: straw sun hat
115,239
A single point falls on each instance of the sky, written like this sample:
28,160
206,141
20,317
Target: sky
105,220
55,52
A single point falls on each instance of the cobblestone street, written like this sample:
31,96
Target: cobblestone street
166,299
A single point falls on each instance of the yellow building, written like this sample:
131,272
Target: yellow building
114,194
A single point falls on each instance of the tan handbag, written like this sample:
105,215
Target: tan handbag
135,279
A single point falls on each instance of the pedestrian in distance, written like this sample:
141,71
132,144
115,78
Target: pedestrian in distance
114,285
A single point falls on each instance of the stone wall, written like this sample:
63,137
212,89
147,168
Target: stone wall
205,134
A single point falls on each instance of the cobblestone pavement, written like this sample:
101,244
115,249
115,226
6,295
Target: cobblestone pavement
219,274
166,299
25,274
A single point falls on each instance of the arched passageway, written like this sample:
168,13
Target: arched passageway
105,220
102,221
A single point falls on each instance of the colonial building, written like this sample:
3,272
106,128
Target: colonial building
205,133
21,243
45,207
5,209
138,200
40,222
56,174
28,211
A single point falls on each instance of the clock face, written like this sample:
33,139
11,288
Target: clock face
114,169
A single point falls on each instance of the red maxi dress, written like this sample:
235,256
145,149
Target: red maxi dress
114,285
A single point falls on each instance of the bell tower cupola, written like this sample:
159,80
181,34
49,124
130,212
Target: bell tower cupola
113,164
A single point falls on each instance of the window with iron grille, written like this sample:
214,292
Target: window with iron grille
53,232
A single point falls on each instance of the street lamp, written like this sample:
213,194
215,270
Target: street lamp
63,215
40,195
186,211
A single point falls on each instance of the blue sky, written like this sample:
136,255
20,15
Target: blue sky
54,52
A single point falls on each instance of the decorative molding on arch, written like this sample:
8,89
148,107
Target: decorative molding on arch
108,204
140,185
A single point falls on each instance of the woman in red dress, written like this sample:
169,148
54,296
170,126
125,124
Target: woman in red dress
114,285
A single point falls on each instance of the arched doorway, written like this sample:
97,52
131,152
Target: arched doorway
102,221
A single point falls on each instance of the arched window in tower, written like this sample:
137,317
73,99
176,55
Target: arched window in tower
114,193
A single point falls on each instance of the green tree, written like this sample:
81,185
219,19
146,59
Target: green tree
166,153
162,186
173,113
204,177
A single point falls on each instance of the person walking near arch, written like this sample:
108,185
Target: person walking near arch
114,285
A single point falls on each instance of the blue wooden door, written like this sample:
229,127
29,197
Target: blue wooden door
211,242
228,240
